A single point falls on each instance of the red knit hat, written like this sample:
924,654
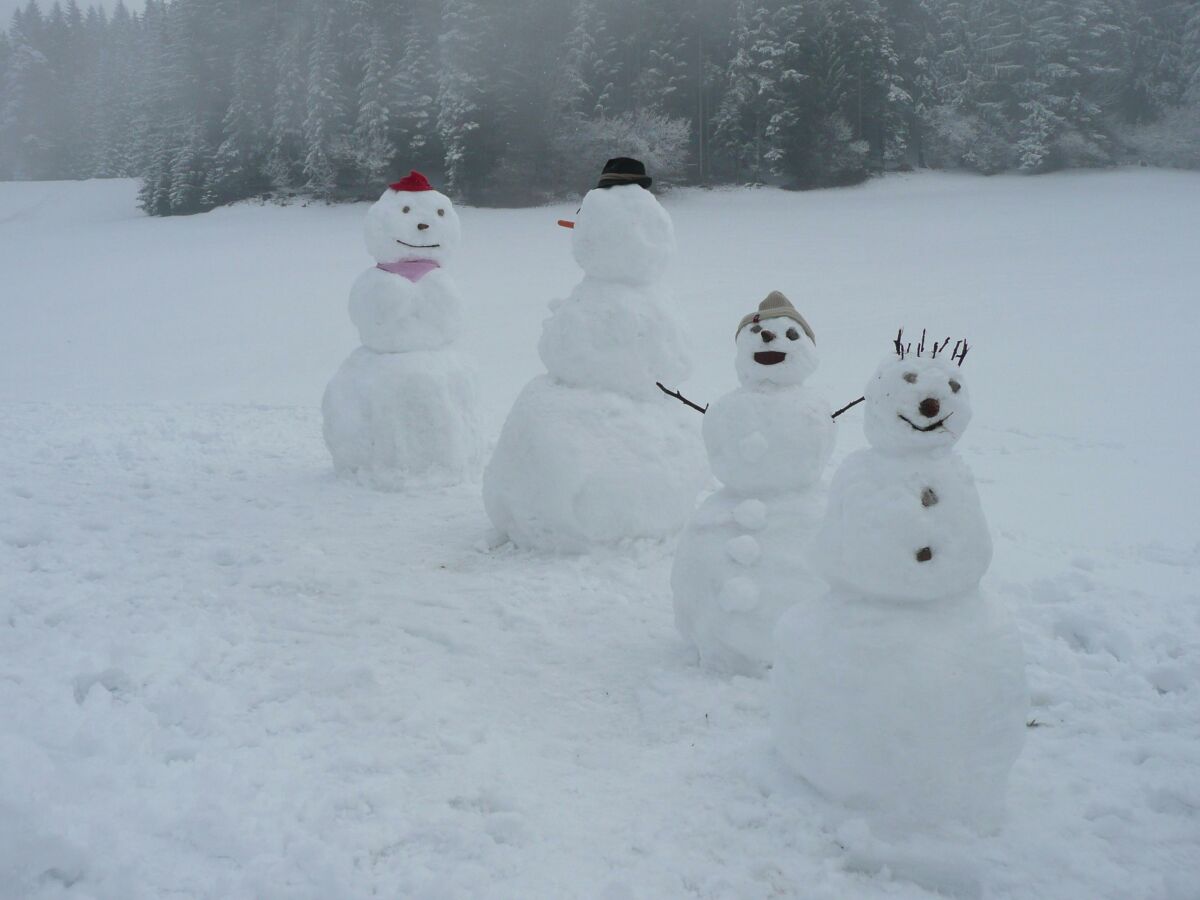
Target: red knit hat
413,181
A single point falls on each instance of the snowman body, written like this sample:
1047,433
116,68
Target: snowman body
615,336
741,561
396,315
403,407
901,691
592,453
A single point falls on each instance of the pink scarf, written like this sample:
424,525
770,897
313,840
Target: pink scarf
412,269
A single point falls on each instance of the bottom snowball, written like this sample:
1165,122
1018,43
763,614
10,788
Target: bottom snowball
390,418
575,467
908,713
730,587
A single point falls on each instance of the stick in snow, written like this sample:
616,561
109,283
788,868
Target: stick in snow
848,406
703,409
682,399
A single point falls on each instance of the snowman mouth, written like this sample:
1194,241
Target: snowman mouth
926,428
417,246
769,357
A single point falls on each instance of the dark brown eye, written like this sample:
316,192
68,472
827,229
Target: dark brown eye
910,377
955,386
793,334
406,209
755,329
441,212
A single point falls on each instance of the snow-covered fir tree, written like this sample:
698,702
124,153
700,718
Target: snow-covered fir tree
462,95
285,132
415,88
589,64
371,144
239,165
324,138
209,101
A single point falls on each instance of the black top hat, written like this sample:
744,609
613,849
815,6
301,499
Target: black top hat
624,170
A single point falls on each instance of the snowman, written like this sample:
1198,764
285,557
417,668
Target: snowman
740,561
403,406
901,692
591,453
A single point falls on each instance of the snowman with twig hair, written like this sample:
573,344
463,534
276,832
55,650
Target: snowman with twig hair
901,691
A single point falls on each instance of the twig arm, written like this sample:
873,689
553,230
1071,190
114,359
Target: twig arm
682,399
849,406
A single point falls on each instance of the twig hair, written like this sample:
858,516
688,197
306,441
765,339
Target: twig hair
903,350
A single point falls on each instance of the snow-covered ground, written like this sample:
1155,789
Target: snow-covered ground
226,674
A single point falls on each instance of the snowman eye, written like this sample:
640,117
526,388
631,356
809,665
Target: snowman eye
441,212
755,329
910,377
793,334
955,386
406,209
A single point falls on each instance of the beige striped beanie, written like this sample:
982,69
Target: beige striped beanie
776,306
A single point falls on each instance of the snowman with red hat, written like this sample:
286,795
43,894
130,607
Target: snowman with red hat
403,406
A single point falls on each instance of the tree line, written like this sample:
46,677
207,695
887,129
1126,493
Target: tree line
519,101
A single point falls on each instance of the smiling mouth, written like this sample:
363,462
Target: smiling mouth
417,246
934,427
769,357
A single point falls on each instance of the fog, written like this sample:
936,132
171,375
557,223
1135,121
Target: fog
8,7
516,102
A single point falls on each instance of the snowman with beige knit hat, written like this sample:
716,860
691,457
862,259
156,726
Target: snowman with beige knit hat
741,559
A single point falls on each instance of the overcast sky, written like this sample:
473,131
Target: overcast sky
7,7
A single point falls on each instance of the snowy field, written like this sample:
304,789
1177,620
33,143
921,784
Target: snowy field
226,674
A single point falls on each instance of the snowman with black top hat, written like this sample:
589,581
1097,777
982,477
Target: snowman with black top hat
591,453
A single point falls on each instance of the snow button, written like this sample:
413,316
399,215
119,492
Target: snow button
743,549
751,514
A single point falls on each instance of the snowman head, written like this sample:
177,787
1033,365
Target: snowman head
917,403
775,345
623,234
412,221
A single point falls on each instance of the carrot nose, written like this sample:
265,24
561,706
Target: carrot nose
566,223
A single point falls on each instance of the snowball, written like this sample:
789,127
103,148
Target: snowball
730,588
743,550
393,314
775,351
751,514
904,519
392,227
576,467
616,337
877,526
623,234
916,405
769,438
912,714
753,447
394,417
